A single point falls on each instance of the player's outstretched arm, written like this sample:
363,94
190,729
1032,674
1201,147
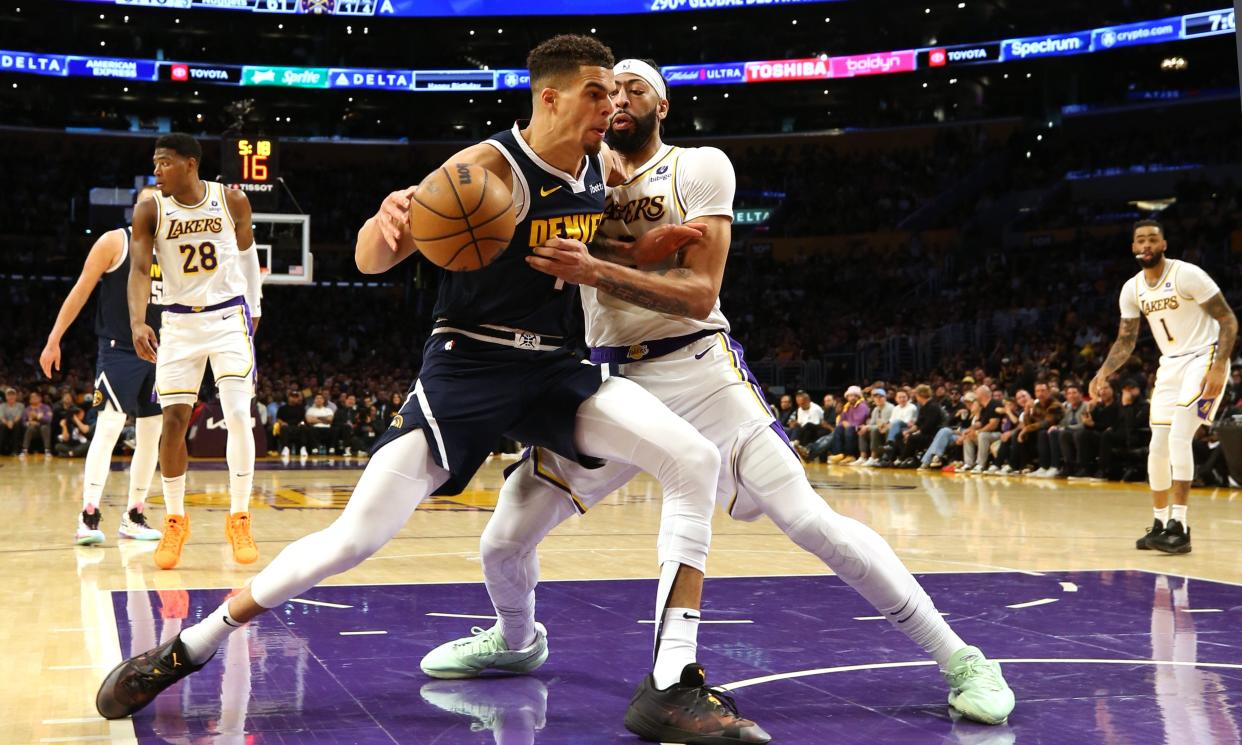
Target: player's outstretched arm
103,255
385,240
1123,347
1217,307
141,242
688,290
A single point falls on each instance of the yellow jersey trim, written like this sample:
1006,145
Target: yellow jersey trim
681,205
547,475
206,196
735,363
639,177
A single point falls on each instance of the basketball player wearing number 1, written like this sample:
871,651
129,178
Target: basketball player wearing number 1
200,230
1195,329
498,362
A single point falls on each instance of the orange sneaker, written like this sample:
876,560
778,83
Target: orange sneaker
237,529
174,603
176,533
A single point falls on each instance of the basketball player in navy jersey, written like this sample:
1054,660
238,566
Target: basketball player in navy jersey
123,382
497,362
663,322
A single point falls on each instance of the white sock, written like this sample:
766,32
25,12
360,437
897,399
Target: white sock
1161,513
203,639
108,428
174,494
517,627
678,645
1178,512
146,455
918,619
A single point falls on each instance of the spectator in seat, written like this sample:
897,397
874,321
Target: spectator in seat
951,434
75,434
1014,412
11,414
985,429
319,423
871,436
1131,431
843,442
785,413
38,421
916,438
345,425
808,417
1047,414
904,414
1059,440
1082,448
290,430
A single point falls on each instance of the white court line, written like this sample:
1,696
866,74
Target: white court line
1069,587
881,618
1201,610
461,615
647,620
1032,604
1012,661
362,633
76,720
322,603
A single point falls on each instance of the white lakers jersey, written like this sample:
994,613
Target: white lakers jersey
1172,308
678,185
197,250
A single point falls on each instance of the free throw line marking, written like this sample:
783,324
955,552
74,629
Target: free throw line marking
1032,603
321,603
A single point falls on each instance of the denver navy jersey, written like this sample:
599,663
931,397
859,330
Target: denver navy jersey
550,203
112,304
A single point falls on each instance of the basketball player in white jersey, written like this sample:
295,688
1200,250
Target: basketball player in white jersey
123,382
1195,329
199,229
662,322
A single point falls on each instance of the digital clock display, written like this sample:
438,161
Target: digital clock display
250,160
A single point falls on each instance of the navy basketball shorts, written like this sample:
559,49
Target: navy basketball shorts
125,380
470,393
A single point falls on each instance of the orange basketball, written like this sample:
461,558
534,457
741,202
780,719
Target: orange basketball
462,217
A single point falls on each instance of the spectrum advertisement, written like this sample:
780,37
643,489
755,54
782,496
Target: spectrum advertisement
429,8
824,67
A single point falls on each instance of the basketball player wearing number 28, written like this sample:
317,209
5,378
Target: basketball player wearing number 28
495,364
1195,329
662,321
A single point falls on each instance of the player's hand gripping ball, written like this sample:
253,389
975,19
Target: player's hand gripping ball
462,217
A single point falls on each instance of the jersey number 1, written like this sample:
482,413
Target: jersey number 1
201,256
1166,329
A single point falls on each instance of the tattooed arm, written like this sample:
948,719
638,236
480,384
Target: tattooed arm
1127,335
1216,307
688,290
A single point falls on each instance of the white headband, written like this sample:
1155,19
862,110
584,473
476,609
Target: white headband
649,74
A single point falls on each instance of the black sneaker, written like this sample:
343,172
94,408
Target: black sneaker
1174,540
689,712
137,681
1144,543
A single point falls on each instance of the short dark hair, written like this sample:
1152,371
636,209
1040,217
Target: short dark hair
1148,223
182,144
564,54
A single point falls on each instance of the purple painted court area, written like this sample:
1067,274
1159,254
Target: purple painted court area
1082,663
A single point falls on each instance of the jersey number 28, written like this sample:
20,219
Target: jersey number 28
201,256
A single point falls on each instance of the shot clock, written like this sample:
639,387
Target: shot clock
250,160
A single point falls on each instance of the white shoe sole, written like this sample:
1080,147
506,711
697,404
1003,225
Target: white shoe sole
90,539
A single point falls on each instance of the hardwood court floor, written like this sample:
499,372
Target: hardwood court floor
58,625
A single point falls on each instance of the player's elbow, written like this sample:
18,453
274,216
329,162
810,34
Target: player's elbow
702,303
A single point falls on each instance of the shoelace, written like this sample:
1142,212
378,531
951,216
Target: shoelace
137,518
478,641
722,699
983,672
244,538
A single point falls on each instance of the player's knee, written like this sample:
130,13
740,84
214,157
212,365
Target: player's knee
497,552
699,456
177,418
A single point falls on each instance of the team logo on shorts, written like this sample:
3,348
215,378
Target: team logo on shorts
398,422
98,398
637,351
526,340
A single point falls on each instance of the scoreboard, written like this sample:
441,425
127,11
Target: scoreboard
250,160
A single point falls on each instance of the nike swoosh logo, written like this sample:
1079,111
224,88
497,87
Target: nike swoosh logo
700,355
229,316
545,192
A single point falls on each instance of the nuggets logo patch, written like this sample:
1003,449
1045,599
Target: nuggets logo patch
397,422
98,398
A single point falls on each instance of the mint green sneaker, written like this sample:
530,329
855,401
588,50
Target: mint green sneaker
485,649
976,687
